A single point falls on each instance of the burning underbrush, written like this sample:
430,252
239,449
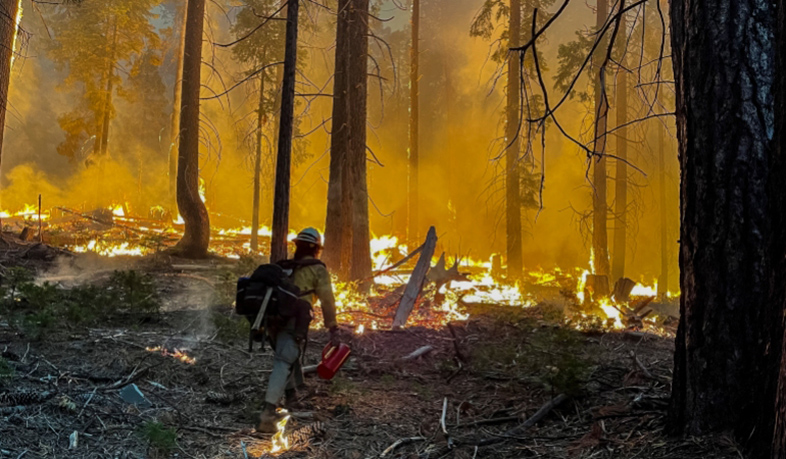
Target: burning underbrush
582,301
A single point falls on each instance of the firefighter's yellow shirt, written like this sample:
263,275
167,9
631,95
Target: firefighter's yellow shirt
317,278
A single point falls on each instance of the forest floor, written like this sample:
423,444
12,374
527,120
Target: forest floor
65,378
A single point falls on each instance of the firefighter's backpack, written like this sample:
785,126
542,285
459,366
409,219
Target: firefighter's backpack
285,298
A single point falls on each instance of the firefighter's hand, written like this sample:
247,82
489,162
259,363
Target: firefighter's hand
335,336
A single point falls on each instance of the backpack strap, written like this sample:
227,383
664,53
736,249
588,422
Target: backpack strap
294,265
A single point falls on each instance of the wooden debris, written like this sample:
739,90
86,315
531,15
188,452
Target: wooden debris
27,234
418,352
540,414
622,289
400,442
396,264
416,281
440,276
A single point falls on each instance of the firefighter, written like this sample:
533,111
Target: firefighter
287,374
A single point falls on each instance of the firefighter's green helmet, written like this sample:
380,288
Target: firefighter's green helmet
310,235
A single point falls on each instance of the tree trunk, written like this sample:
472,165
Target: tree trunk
663,280
175,129
347,229
360,267
723,68
278,243
413,194
512,148
107,116
779,226
336,226
8,12
197,232
621,178
258,167
600,242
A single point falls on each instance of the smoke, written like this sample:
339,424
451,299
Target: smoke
462,108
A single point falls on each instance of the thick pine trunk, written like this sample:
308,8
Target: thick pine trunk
600,238
778,206
621,177
360,263
413,192
335,223
197,224
258,167
663,280
8,11
278,244
175,129
347,228
723,68
512,149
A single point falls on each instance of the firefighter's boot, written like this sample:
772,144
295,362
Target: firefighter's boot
268,419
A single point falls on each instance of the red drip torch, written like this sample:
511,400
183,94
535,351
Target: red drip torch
333,357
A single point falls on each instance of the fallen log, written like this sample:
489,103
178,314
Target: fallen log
415,284
418,352
395,265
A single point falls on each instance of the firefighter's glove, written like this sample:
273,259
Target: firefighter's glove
335,336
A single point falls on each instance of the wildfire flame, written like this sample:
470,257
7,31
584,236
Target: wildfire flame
481,282
176,354
279,442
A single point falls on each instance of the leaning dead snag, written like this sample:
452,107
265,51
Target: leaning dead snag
415,284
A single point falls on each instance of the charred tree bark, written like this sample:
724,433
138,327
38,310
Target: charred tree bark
347,228
175,129
600,238
663,280
258,167
621,177
512,148
779,225
360,267
278,243
335,223
413,194
197,223
8,12
723,365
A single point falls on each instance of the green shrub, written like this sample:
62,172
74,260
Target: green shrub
15,278
160,438
225,288
558,361
248,263
134,292
230,328
6,370
341,385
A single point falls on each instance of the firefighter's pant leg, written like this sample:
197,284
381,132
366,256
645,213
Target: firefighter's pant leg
287,372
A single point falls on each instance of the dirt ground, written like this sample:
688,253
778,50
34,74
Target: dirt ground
486,375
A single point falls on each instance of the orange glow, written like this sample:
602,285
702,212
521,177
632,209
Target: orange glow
176,354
